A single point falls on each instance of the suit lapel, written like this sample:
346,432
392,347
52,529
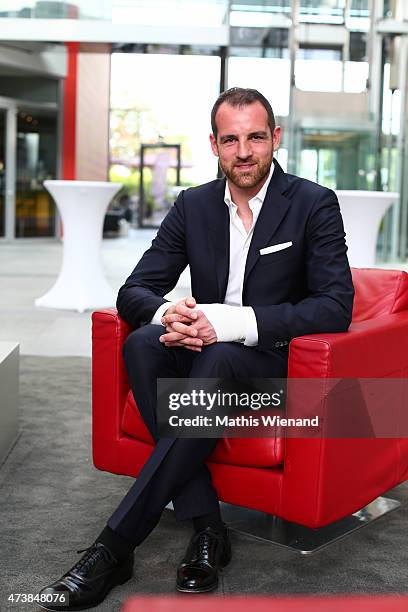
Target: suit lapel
273,210
218,229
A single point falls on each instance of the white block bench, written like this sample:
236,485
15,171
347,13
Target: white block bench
9,376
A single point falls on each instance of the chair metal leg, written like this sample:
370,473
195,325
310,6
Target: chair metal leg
295,537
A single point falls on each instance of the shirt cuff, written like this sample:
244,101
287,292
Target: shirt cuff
232,323
156,320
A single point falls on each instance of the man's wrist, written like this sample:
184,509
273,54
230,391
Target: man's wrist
228,321
162,309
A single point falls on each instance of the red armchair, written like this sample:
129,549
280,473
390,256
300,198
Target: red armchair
309,481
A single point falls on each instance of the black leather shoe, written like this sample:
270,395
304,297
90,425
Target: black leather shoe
207,552
87,583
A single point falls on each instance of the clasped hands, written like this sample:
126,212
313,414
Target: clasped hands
186,327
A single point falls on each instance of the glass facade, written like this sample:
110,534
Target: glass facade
184,12
338,147
340,117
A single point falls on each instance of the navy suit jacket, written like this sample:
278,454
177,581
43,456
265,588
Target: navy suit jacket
304,289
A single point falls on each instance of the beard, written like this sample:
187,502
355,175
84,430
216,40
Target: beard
250,178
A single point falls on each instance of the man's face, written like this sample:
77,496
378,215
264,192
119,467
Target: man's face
244,143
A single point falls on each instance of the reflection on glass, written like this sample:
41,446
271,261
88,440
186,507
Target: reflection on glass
174,109
175,13
359,15
186,12
160,167
391,125
319,165
56,9
328,75
391,117
331,11
269,75
2,171
338,159
36,161
274,6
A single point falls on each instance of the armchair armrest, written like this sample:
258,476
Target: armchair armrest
109,385
370,349
330,478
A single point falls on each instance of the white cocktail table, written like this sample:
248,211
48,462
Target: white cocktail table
81,284
362,213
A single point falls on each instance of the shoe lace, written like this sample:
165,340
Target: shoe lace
206,543
92,554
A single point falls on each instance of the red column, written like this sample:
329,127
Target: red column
69,114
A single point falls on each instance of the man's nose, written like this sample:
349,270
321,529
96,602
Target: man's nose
244,149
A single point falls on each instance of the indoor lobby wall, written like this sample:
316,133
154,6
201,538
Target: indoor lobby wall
92,112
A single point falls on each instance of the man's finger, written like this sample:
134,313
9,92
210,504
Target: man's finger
183,310
186,330
172,318
177,337
190,302
171,337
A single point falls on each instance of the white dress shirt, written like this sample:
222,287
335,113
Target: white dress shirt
232,321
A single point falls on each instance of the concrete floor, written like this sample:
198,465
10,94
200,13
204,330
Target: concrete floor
29,268
46,500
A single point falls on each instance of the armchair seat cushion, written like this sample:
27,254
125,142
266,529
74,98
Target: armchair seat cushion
246,452
132,422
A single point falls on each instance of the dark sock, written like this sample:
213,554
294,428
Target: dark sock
119,546
213,519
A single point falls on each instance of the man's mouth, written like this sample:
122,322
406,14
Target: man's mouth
245,166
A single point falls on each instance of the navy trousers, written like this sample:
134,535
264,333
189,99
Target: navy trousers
176,470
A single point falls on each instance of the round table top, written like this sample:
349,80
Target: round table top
87,184
364,194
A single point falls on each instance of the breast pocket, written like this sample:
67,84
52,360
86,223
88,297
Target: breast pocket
272,258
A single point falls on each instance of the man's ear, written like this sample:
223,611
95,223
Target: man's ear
276,137
214,146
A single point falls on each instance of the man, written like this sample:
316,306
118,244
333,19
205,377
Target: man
268,262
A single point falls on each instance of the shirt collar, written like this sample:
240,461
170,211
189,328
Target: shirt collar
259,197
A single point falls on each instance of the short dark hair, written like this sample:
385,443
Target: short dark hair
238,96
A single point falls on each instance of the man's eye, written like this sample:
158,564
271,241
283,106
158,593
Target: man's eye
227,140
257,137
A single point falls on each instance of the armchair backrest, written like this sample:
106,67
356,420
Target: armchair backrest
378,292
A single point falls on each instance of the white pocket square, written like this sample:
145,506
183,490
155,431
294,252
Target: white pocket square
275,247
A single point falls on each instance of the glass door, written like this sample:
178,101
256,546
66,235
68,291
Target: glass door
337,159
36,162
